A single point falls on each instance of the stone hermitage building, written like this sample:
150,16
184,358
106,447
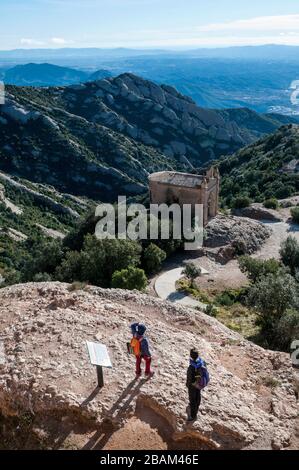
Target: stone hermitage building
170,187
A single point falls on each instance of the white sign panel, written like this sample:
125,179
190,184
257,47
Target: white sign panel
2,354
98,354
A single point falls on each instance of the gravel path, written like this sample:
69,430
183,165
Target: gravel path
165,287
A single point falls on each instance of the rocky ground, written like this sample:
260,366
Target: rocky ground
48,395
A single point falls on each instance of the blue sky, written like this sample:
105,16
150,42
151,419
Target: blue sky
147,23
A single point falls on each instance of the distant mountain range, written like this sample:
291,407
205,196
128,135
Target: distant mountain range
260,78
49,75
103,138
271,51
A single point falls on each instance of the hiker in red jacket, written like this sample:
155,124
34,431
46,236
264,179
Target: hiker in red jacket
139,346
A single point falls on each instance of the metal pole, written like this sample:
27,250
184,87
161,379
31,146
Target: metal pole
100,376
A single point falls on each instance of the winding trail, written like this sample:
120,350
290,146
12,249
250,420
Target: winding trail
165,287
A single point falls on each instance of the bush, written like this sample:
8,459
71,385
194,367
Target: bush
241,202
271,203
98,260
289,253
211,310
130,278
42,277
75,286
191,271
45,256
153,257
295,214
230,297
271,297
256,268
287,329
225,300
71,268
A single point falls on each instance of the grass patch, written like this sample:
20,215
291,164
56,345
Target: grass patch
75,286
270,381
184,285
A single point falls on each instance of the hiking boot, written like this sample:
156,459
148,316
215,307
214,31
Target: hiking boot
191,420
149,374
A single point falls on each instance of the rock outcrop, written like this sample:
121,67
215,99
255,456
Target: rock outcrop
235,235
110,134
259,212
45,374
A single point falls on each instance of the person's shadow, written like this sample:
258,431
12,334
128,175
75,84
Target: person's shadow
116,413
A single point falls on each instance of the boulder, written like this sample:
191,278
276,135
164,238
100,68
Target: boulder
258,212
244,235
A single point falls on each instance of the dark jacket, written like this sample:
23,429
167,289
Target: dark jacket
144,347
191,372
190,376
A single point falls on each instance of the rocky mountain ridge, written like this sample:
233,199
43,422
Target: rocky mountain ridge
110,134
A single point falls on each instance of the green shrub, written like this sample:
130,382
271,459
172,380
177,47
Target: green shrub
295,214
229,297
256,268
211,310
289,253
271,297
241,202
98,260
71,268
42,277
225,300
153,257
271,203
130,278
191,271
75,286
45,256
287,329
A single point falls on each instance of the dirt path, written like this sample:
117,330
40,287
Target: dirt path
280,232
165,287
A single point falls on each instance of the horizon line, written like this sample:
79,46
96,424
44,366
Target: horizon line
148,48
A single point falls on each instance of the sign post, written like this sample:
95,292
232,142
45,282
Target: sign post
99,357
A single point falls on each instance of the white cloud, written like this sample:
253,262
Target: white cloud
60,41
261,23
31,42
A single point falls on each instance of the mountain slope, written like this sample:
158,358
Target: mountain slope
49,75
110,134
47,144
29,213
161,117
43,75
265,169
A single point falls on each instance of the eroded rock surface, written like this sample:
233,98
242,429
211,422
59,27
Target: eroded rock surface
241,234
45,372
259,212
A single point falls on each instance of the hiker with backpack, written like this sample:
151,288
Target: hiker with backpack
197,379
140,348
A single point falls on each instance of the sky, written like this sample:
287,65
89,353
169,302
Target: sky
147,23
